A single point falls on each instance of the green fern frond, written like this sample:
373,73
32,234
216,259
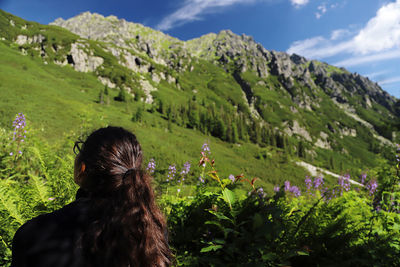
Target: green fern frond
8,199
42,164
41,188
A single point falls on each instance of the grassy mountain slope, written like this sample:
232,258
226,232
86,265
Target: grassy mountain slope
58,100
262,111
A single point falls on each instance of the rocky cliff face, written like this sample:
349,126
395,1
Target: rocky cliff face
246,55
228,48
122,34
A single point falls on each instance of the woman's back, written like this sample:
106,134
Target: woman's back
116,222
53,239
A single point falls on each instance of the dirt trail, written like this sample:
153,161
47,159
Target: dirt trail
316,171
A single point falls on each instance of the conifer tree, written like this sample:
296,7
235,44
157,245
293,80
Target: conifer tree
272,139
138,115
229,134
193,115
288,145
331,163
169,126
160,108
101,97
169,112
279,140
121,95
301,151
235,135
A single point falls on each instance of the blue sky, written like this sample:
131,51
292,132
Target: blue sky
360,35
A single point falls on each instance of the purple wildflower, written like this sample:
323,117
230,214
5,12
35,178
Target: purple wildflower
372,186
295,190
232,178
151,167
363,177
318,181
308,182
287,185
11,153
186,169
261,193
344,183
171,172
205,148
277,188
201,180
347,184
19,124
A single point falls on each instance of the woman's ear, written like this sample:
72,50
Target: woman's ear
79,173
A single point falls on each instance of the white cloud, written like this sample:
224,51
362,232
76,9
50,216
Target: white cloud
373,75
334,5
192,9
390,80
318,47
339,34
299,3
359,60
382,32
321,10
378,40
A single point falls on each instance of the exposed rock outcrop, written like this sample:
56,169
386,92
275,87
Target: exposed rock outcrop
23,39
82,61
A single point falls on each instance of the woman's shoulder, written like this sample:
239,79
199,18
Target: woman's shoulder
69,216
51,239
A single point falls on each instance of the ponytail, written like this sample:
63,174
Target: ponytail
127,228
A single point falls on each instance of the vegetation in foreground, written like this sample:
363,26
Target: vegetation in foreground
212,219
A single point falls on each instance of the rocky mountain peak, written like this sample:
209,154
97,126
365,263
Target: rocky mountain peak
228,48
113,30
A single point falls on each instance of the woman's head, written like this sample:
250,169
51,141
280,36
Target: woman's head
104,159
127,227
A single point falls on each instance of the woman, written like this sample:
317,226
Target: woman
113,222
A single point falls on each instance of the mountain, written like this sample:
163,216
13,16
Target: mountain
223,85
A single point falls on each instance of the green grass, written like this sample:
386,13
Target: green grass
58,100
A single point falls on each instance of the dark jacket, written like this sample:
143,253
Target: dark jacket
52,239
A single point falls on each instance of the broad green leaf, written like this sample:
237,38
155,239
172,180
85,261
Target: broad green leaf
220,215
269,256
302,253
228,196
213,247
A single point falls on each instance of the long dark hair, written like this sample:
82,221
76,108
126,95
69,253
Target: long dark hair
127,228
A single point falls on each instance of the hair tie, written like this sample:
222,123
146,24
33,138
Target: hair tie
128,171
